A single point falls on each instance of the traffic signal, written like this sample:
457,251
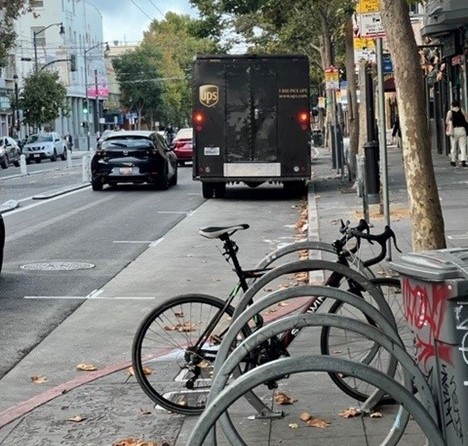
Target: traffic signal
85,107
72,62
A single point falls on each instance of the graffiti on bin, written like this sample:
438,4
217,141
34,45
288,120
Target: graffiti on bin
452,417
425,308
462,326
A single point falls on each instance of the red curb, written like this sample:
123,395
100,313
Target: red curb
15,412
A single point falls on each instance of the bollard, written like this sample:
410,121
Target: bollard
69,159
371,151
23,166
85,168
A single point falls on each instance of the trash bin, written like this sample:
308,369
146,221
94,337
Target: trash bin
317,138
435,297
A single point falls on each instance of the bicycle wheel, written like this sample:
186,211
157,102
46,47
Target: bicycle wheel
345,344
169,368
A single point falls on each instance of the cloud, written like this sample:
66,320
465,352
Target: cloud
126,22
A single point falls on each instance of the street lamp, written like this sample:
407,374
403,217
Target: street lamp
88,144
35,33
16,118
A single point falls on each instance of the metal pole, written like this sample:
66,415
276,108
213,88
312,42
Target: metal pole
17,120
383,139
96,107
35,51
87,106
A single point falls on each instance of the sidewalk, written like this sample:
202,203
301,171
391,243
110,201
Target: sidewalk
103,407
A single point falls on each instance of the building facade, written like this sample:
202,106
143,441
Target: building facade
66,36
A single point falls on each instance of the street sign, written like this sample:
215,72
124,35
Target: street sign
332,78
361,43
371,25
365,6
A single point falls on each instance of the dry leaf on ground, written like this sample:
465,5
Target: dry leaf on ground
39,379
146,371
76,419
283,304
186,327
305,416
144,411
318,422
350,412
283,399
130,441
86,367
376,415
293,425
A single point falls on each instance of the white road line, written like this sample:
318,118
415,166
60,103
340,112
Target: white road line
173,212
156,242
134,241
458,237
39,203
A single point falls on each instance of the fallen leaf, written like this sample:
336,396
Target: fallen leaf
39,379
302,277
130,441
305,416
318,422
86,367
186,327
376,415
144,411
293,425
283,399
179,314
283,304
146,371
283,287
336,352
76,419
350,412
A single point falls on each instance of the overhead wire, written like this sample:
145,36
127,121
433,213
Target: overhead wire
142,10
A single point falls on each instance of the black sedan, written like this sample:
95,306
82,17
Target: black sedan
2,240
133,157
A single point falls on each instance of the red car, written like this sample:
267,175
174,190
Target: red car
182,145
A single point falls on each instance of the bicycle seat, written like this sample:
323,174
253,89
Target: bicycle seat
219,231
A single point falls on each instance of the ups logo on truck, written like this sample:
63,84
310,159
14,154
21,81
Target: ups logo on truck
209,95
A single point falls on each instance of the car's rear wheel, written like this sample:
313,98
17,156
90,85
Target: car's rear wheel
207,190
181,163
54,156
38,161
220,190
96,184
64,155
174,179
163,182
16,163
4,162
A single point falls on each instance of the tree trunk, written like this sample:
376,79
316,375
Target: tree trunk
426,213
353,112
362,107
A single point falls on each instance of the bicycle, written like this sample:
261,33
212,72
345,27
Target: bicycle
192,325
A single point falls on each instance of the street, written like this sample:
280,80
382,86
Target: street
61,250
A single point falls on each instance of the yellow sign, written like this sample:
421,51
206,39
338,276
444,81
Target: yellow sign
365,6
361,43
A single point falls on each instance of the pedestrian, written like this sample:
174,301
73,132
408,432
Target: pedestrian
69,140
456,128
396,131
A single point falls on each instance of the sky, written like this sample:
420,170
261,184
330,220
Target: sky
125,20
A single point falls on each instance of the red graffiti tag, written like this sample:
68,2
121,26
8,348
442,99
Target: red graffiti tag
425,307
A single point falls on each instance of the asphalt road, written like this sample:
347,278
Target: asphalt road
63,249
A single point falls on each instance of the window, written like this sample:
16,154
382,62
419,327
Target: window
37,3
38,31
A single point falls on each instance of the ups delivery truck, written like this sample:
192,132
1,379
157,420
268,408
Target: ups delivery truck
251,121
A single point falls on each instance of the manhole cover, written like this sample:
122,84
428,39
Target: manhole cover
57,266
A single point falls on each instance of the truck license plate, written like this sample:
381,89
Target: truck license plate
210,151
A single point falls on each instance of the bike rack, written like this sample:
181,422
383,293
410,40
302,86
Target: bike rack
288,366
386,337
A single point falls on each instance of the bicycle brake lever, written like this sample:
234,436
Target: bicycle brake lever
393,236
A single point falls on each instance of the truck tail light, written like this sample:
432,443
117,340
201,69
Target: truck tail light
199,120
303,118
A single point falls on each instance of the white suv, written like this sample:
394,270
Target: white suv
45,145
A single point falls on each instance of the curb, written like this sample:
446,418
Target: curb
57,192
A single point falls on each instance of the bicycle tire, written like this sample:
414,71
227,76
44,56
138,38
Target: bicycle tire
371,353
164,338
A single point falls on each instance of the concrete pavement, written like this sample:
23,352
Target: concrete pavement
103,407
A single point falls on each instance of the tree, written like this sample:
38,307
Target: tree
9,11
140,81
178,40
425,209
43,98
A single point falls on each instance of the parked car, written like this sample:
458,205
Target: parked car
105,134
41,146
182,144
10,152
2,240
134,156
